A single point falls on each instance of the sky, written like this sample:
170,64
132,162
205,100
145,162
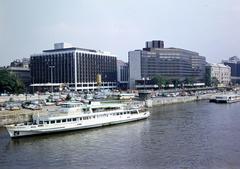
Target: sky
209,27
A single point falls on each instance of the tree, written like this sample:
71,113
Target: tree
188,80
214,81
159,80
175,82
9,82
208,76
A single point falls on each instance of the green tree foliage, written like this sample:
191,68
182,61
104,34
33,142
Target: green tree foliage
175,82
214,81
189,81
208,76
9,82
159,80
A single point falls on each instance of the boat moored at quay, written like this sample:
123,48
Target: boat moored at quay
226,99
76,116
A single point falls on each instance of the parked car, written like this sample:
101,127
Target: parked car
33,104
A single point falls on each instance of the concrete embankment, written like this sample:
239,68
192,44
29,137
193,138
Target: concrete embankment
14,118
19,116
22,97
180,99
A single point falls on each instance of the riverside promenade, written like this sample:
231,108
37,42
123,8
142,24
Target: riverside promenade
22,97
181,99
23,115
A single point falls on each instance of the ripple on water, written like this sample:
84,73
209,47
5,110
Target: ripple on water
191,135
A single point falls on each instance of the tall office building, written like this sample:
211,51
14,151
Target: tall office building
122,74
171,63
73,67
234,63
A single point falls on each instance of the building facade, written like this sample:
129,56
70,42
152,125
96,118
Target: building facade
234,63
21,69
21,63
122,74
76,68
171,63
219,71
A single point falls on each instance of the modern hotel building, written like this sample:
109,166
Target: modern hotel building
171,63
72,67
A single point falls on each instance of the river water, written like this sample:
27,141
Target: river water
190,135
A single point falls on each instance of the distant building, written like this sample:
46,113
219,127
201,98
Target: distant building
75,68
21,69
122,74
234,63
21,63
22,73
219,71
170,63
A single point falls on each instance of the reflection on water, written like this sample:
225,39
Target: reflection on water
191,135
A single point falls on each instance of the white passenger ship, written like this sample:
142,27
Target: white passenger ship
227,99
75,116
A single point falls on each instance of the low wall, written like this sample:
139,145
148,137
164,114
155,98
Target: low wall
180,99
22,97
20,116
14,118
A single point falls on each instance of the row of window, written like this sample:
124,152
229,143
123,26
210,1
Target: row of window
85,118
64,68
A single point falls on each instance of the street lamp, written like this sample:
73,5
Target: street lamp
33,84
51,67
144,82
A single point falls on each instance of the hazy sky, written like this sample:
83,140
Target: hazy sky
210,27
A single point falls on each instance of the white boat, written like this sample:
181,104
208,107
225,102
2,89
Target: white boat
227,98
124,96
75,116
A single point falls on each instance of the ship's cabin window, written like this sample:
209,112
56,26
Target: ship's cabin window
63,120
46,122
66,105
70,105
40,122
74,119
134,112
69,120
58,121
117,113
85,109
52,121
98,110
80,118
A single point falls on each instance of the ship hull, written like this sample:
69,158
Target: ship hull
16,131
